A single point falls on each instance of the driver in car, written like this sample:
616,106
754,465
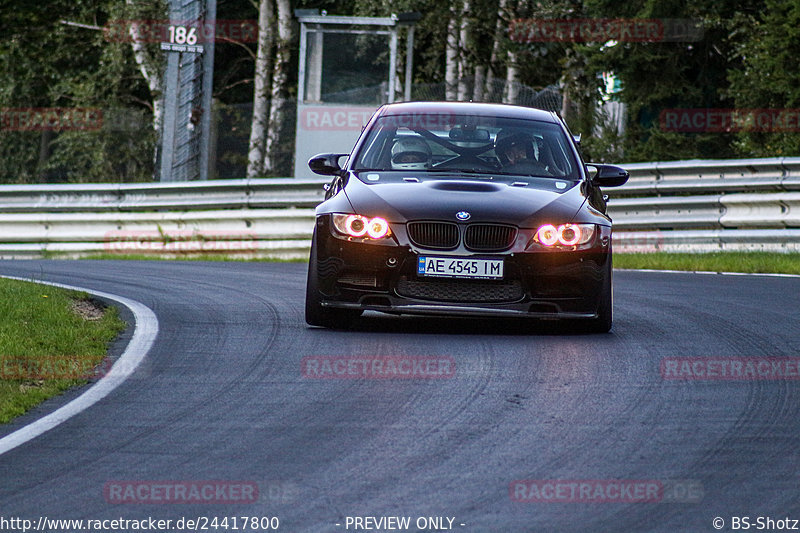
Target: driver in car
514,148
411,153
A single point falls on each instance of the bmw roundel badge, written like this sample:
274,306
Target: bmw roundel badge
462,215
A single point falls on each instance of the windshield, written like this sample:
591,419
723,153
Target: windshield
467,144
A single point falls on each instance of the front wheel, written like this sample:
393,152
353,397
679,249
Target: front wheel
316,314
605,309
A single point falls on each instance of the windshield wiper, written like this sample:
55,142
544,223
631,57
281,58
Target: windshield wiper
524,175
480,172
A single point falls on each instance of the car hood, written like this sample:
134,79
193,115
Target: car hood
485,201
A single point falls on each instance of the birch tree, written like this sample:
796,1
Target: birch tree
276,138
494,59
261,94
463,64
511,87
451,57
511,90
149,66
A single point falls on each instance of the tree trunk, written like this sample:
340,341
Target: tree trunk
463,65
566,113
280,90
511,91
499,32
478,83
261,93
151,72
511,88
44,154
451,58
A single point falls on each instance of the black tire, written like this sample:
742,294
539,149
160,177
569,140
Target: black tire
316,314
605,309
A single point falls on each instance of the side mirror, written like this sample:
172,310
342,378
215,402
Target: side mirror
326,164
608,175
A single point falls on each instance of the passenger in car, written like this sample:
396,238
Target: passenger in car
411,153
515,150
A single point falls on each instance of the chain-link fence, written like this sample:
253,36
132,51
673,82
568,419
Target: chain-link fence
181,150
494,91
118,145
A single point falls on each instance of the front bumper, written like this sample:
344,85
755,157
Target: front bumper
539,284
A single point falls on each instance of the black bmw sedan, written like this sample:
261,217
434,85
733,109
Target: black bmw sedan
462,209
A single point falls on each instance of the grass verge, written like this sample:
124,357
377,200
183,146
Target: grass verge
51,339
747,262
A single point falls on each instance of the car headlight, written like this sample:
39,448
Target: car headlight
361,227
563,236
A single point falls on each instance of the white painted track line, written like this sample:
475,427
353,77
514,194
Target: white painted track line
708,272
144,335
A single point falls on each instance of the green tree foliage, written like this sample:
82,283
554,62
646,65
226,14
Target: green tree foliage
768,78
659,76
746,58
57,56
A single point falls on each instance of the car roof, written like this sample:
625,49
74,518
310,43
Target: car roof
468,108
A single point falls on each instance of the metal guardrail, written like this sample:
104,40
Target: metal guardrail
675,206
711,176
196,195
744,204
707,205
746,210
240,218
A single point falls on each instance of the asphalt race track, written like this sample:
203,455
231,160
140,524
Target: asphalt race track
522,428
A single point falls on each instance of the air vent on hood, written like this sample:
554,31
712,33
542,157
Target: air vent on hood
465,186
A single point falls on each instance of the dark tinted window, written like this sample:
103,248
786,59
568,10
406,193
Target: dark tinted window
441,143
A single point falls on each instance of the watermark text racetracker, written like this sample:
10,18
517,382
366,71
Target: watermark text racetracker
709,120
341,118
601,30
180,492
179,241
193,523
605,491
730,368
51,119
377,367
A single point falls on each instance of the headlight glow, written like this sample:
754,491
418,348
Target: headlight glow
565,235
361,227
355,226
547,235
378,228
569,235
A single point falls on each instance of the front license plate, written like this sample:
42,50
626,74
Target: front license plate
455,267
